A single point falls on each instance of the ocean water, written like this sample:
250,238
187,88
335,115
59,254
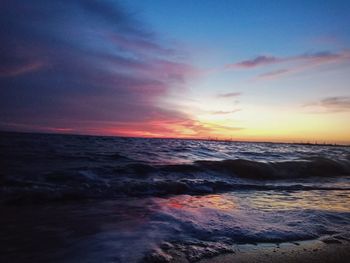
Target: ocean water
67,198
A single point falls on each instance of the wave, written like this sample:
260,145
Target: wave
200,177
312,167
20,192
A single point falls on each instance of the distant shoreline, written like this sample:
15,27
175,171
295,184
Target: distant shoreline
174,138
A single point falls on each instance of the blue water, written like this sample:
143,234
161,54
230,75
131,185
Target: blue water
68,198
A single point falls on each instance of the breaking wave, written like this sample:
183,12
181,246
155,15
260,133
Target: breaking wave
200,177
312,167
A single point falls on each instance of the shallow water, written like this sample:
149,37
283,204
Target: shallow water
103,199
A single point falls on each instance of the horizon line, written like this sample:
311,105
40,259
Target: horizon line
210,138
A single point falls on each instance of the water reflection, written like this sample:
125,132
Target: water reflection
188,202
337,201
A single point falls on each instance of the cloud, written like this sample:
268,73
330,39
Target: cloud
291,64
274,73
317,58
19,69
342,102
142,45
77,65
229,95
221,112
161,124
330,105
255,62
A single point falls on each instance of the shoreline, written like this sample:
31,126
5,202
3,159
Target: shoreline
316,251
327,249
70,229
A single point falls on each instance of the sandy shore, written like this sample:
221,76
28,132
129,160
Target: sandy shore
311,251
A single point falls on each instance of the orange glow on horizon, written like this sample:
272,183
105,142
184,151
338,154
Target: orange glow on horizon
270,125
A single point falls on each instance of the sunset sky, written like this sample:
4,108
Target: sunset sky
246,70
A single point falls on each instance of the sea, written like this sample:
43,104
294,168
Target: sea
76,198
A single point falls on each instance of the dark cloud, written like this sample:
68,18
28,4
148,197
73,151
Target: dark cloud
255,62
307,58
291,64
83,63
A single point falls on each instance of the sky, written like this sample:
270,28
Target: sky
240,70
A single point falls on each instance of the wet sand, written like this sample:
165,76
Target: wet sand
308,252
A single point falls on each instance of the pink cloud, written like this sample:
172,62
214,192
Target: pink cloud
107,74
16,70
274,73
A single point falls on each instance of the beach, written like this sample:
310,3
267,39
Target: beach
304,252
